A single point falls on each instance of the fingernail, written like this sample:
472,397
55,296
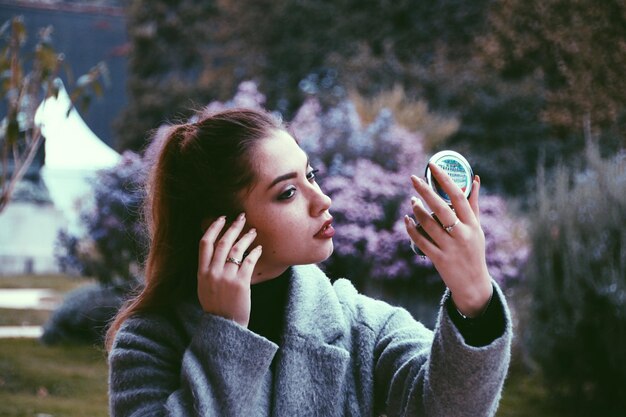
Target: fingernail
417,201
258,248
252,231
221,219
241,216
417,179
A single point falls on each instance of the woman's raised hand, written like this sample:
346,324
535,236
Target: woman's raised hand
456,243
223,277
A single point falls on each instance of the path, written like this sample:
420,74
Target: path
23,299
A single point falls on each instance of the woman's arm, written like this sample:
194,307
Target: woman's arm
449,377
440,375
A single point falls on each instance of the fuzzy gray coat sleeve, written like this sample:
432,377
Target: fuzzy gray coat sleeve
442,379
216,377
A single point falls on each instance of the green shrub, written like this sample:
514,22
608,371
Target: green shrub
577,279
83,316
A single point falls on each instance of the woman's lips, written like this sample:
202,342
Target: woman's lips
327,231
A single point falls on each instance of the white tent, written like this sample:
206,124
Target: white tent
28,231
73,152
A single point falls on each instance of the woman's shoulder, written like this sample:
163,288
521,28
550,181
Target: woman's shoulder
163,326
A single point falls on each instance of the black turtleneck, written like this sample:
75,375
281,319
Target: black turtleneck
269,300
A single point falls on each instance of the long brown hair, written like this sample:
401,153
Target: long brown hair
199,171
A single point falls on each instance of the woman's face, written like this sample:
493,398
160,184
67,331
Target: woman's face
287,208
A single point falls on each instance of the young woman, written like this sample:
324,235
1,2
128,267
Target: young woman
236,320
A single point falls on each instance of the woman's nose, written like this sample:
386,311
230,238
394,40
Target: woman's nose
320,202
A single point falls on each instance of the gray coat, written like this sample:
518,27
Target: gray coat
342,354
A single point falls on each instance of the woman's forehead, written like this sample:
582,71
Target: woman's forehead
277,155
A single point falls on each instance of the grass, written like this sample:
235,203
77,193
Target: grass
525,395
38,380
61,381
23,317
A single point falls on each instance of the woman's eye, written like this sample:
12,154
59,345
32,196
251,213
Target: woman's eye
287,194
312,175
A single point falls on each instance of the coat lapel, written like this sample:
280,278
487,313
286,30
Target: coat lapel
312,361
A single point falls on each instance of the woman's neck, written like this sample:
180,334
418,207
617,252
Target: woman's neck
262,273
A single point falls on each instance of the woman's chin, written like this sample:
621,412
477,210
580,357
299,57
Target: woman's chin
327,253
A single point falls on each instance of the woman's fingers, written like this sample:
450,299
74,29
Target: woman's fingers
207,243
473,198
445,216
419,237
454,240
238,250
223,275
248,264
458,200
226,242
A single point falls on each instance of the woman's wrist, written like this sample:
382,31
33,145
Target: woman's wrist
471,303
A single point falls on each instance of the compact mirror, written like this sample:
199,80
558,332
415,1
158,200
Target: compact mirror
457,167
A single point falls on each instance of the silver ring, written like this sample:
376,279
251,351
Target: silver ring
449,228
234,261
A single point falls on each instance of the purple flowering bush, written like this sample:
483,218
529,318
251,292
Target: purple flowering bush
115,242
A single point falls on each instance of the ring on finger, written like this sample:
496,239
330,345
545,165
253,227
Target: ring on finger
234,261
449,228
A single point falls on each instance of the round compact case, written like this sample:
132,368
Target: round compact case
457,167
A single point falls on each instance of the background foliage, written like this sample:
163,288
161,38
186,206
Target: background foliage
577,281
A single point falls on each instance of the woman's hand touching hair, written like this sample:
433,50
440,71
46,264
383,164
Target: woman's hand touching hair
223,275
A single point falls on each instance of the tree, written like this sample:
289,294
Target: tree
187,51
453,55
24,85
372,45
578,47
175,65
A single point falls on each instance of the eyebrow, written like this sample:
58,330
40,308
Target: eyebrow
287,176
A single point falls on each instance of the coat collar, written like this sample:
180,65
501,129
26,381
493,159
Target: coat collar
312,362
313,311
